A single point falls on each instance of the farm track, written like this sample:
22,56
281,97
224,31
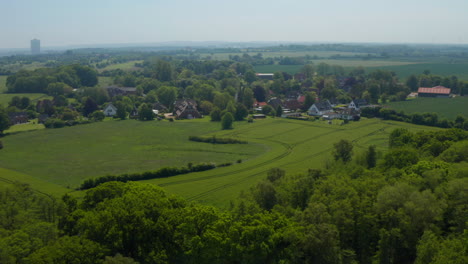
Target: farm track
208,192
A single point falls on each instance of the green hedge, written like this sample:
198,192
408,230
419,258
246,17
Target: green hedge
215,140
161,173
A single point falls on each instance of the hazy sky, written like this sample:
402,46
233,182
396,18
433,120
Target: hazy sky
77,22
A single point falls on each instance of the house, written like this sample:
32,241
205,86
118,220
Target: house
116,90
110,110
186,109
437,91
18,117
160,107
275,102
349,114
259,104
259,116
292,104
357,104
320,108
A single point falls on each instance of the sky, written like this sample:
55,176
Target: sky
92,22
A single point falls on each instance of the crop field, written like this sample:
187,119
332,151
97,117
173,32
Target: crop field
3,87
6,98
65,157
444,107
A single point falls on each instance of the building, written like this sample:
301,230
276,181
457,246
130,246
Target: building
186,109
320,108
357,104
35,46
116,90
265,76
110,110
18,117
437,91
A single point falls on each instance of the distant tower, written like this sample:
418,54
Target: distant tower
35,46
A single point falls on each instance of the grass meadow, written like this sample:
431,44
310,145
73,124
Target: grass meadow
6,98
444,107
126,66
65,157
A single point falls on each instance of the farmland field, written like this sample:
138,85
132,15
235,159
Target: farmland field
5,98
444,107
65,157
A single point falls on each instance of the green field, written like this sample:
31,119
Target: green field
369,64
67,156
445,69
3,87
444,107
6,98
126,66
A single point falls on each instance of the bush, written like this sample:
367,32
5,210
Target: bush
54,123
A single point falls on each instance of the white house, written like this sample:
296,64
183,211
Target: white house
357,104
320,108
110,110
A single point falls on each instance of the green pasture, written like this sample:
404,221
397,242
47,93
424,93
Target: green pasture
6,98
3,87
443,68
444,107
126,66
67,156
32,125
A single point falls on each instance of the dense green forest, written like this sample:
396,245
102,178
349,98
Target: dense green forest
408,205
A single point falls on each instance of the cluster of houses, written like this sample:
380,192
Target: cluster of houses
187,109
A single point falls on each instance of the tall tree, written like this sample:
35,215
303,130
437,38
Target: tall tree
89,107
343,150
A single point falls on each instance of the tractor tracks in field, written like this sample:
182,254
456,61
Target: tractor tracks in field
227,185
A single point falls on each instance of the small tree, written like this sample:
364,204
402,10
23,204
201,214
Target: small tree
268,110
279,111
97,116
145,112
215,114
121,113
226,122
89,107
343,150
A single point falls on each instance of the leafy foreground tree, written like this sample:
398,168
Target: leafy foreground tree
4,120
